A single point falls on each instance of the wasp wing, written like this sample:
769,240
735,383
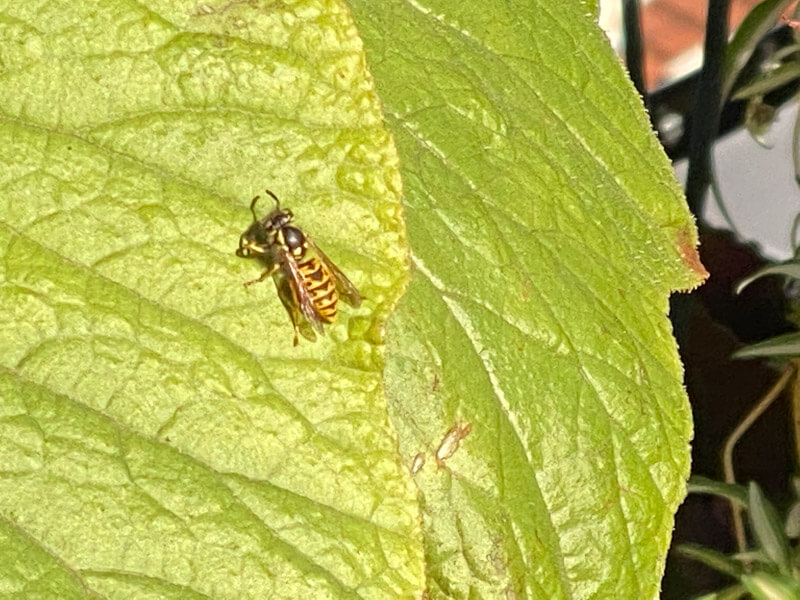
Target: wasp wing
344,286
303,299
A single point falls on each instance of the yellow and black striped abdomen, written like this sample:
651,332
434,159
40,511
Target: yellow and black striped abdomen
321,286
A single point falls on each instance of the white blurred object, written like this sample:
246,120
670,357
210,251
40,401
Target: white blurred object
688,61
610,21
758,188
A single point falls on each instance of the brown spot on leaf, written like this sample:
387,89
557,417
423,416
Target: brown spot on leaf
450,442
689,254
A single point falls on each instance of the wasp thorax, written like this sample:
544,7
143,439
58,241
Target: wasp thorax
293,237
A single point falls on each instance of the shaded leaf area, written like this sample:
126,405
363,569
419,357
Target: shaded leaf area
159,435
547,233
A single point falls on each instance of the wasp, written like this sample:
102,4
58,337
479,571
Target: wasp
309,284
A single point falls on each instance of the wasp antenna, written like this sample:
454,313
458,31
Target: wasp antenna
274,197
253,207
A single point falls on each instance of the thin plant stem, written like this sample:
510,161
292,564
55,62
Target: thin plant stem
793,234
707,104
733,439
795,149
796,412
633,45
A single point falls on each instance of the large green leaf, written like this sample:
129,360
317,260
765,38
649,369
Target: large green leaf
159,435
547,233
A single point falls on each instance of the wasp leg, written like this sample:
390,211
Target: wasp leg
292,317
294,324
263,276
299,324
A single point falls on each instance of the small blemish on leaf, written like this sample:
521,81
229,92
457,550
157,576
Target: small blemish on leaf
450,442
437,383
204,9
417,463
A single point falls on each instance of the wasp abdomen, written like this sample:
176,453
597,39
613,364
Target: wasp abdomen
321,287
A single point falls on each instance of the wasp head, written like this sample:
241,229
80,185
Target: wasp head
260,236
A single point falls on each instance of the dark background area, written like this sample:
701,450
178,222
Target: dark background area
712,322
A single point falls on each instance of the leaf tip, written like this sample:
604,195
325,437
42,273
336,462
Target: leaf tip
687,246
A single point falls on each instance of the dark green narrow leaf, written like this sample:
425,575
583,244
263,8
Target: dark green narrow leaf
790,268
711,558
704,485
769,81
766,586
792,523
758,22
787,345
547,233
734,592
767,527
